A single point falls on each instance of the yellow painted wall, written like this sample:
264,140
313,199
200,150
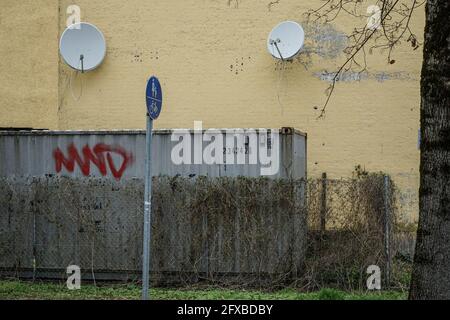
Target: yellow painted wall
212,60
28,63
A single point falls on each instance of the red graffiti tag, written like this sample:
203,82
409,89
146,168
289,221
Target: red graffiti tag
96,156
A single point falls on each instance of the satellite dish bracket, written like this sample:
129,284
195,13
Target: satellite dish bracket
82,63
275,43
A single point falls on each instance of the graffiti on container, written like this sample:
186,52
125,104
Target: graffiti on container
100,155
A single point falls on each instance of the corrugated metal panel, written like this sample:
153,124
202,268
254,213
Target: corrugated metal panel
121,154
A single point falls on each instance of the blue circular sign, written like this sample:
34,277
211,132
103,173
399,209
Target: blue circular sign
153,97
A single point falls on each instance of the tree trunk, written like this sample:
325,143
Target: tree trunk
431,270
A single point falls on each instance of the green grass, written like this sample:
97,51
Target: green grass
13,289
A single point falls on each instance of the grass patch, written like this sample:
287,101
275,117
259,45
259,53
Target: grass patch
14,289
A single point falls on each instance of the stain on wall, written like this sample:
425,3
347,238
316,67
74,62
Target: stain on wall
349,76
324,40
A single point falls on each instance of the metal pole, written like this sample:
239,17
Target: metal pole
147,211
34,244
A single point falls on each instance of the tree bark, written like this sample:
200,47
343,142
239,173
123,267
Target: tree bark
431,269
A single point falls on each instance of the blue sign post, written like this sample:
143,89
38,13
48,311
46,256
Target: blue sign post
154,105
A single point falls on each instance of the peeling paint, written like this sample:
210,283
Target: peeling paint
272,3
324,40
351,76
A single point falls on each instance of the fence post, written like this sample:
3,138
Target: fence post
33,208
299,225
205,244
237,242
34,244
323,207
387,229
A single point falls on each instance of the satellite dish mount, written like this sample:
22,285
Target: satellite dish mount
275,43
82,62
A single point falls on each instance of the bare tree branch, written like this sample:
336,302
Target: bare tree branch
392,26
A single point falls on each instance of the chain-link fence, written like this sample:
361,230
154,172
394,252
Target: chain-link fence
227,231
352,225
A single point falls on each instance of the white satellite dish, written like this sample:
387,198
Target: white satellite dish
286,40
82,46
